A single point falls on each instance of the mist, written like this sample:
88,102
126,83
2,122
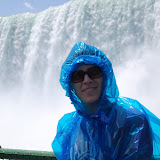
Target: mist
33,48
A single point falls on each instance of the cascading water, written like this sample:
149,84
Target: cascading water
34,46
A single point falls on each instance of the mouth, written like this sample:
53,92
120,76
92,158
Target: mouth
90,89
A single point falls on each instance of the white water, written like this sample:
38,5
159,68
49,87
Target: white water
34,46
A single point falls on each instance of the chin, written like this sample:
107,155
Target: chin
90,100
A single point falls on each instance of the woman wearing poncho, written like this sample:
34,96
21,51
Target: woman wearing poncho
104,125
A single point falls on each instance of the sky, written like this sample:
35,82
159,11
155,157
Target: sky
11,7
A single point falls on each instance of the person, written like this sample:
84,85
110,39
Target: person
104,125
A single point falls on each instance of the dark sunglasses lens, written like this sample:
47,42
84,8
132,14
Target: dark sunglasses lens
95,72
77,76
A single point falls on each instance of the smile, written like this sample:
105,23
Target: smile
89,89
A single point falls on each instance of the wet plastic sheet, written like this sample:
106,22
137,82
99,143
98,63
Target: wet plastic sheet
121,128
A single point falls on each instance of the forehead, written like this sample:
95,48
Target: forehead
85,67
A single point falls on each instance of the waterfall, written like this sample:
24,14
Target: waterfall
34,46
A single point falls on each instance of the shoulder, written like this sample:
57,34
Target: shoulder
130,111
67,116
130,106
65,120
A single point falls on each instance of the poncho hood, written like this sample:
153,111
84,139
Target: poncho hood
82,53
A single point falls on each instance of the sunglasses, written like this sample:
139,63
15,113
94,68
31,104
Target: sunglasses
93,72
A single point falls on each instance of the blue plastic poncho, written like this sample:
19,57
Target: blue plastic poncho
121,128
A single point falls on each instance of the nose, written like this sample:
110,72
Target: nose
87,79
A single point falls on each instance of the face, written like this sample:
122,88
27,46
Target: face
89,90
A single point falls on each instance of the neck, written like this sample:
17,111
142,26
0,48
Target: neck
91,107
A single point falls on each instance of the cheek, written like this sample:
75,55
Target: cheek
100,83
100,86
76,87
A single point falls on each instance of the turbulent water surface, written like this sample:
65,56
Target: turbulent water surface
34,46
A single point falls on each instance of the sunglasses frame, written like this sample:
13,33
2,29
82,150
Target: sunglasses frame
89,72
